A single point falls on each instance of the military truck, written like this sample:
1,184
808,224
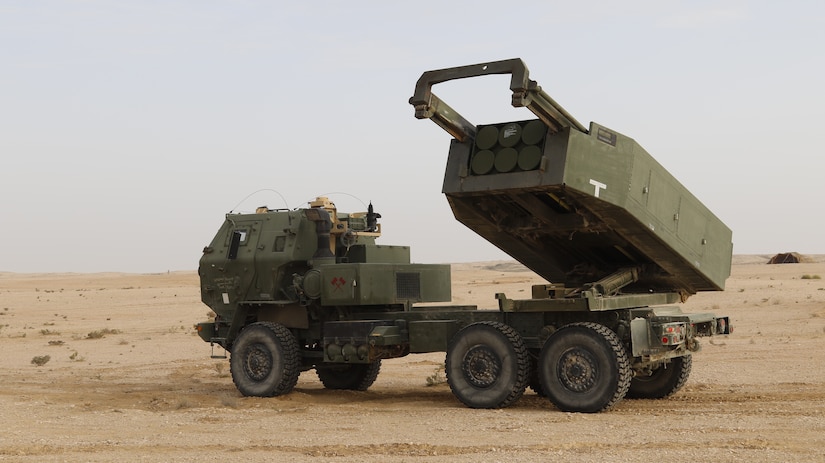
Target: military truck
617,238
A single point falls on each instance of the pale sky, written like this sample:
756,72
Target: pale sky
129,129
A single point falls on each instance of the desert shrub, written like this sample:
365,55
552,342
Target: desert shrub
184,403
811,277
438,377
41,360
229,401
101,333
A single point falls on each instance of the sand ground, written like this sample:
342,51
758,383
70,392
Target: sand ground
127,380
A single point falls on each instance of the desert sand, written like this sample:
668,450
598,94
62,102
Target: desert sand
123,378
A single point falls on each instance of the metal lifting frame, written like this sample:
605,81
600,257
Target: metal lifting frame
526,93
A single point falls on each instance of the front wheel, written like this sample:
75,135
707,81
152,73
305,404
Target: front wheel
487,365
583,367
664,381
265,360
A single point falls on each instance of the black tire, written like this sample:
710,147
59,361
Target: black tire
265,360
583,367
487,365
664,382
355,377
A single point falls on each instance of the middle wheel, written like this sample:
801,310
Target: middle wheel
356,377
487,365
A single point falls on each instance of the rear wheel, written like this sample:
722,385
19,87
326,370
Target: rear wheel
265,360
583,367
487,365
356,376
663,382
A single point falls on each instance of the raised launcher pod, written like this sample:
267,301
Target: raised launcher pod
575,205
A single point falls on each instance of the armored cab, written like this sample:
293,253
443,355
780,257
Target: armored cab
294,267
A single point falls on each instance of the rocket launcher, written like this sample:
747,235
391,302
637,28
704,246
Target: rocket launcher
587,208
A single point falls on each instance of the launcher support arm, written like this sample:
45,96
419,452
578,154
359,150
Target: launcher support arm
526,93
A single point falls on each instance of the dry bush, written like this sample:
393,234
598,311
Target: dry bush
101,333
438,377
41,360
229,401
220,369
